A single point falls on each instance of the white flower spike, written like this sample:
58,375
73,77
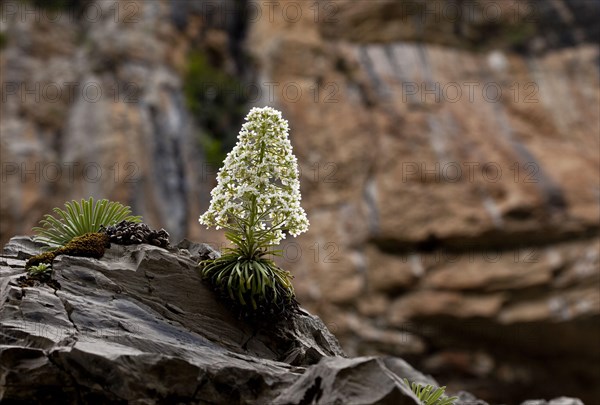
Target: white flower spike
258,191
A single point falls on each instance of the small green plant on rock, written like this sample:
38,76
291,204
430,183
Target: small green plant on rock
40,273
430,395
41,269
81,218
256,200
75,231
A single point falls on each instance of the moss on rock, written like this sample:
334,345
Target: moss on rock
88,245
45,257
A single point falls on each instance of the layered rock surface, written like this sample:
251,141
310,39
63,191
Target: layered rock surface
139,326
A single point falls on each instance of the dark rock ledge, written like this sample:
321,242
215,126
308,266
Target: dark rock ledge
139,326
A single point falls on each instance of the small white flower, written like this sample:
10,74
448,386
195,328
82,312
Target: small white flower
260,172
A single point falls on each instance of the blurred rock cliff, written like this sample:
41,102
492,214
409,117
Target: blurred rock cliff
449,153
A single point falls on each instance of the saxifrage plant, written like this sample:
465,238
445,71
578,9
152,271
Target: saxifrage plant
256,200
81,218
430,395
40,270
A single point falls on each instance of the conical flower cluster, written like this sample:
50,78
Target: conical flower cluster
258,186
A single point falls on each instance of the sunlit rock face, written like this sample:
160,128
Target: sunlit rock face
449,156
450,174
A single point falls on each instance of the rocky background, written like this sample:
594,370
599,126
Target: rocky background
449,154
